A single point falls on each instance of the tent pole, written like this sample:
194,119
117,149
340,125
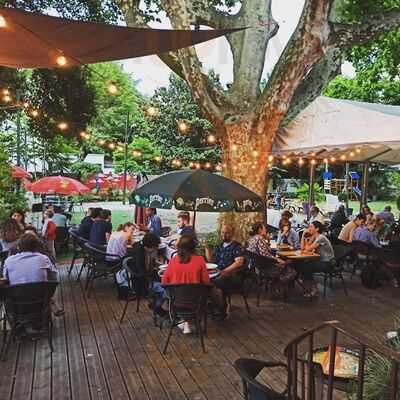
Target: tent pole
347,171
364,189
311,188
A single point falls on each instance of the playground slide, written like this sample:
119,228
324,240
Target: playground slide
357,191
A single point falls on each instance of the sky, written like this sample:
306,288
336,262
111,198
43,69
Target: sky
153,73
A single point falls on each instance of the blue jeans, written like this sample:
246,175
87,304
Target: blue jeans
160,294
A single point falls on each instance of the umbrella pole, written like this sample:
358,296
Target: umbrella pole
364,189
311,188
194,219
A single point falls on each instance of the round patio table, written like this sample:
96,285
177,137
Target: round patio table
298,255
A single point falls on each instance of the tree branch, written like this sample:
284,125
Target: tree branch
303,51
347,35
313,84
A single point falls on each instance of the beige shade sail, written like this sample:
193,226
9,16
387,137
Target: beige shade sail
347,130
32,40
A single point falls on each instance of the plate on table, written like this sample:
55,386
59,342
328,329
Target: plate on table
214,274
211,266
163,267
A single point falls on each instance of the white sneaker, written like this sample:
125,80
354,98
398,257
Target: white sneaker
186,328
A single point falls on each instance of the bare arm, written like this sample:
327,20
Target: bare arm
238,263
209,254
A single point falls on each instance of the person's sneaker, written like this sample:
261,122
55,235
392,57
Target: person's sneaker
185,327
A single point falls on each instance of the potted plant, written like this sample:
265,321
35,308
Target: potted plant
303,192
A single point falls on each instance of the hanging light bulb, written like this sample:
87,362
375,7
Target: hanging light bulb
352,154
151,111
7,98
62,126
358,150
218,167
198,165
111,146
312,154
35,113
301,161
136,153
183,127
211,139
157,158
313,162
288,160
269,165
325,160
82,134
112,88
3,22
333,159
270,158
254,153
88,136
234,147
343,157
61,61
101,142
191,164
208,165
178,163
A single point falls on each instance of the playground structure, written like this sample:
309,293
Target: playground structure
337,186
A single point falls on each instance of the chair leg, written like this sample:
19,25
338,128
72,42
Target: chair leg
343,284
6,346
137,303
325,283
71,267
205,323
81,269
168,337
124,311
200,331
50,335
246,303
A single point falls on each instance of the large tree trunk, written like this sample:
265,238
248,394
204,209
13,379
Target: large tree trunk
245,157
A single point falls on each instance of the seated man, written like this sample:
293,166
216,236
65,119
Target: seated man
87,222
346,234
229,257
387,215
154,226
183,228
101,229
366,234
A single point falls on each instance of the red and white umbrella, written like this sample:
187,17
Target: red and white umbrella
19,173
58,185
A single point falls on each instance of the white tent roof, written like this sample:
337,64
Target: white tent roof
352,129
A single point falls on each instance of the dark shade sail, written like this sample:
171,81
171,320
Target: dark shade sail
196,190
32,40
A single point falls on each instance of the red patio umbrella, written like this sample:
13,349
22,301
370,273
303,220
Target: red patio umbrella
58,185
19,173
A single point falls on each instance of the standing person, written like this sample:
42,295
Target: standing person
287,235
19,216
59,218
154,222
346,234
10,232
278,198
314,241
101,229
49,232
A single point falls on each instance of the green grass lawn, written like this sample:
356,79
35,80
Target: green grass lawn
117,217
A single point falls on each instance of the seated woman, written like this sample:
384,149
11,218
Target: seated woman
314,241
279,270
119,240
287,235
186,268
10,232
30,265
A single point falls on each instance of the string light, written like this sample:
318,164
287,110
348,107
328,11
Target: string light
120,148
352,154
136,153
111,146
151,111
325,160
343,157
288,160
112,88
25,104
254,153
6,92
208,165
191,164
101,142
301,161
269,165
3,22
358,150
234,147
198,166
219,167
7,98
312,154
183,127
270,158
313,162
62,126
211,139
61,61
157,158
35,113
333,159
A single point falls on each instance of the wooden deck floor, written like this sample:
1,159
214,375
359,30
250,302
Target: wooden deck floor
97,358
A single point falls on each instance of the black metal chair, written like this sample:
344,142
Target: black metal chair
248,369
78,250
364,255
243,282
138,283
187,302
341,253
100,265
27,310
3,256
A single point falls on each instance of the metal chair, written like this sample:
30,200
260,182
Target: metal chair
27,308
62,240
100,265
78,251
187,302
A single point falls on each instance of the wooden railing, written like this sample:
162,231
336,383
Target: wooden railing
304,368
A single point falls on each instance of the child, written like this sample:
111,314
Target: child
49,233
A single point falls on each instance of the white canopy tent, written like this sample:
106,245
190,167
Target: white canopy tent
350,131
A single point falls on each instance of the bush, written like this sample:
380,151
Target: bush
303,190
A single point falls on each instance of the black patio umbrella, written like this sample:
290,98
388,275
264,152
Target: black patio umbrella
196,190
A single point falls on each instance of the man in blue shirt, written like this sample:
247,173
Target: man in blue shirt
387,215
154,224
101,229
366,234
229,256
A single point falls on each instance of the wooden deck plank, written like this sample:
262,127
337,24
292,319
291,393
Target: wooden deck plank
25,371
